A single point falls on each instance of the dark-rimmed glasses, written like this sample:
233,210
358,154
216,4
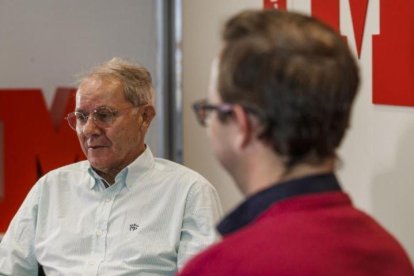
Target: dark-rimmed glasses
102,117
203,109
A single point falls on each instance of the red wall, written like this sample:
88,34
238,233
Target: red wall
35,142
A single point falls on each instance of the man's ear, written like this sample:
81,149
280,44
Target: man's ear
243,125
148,113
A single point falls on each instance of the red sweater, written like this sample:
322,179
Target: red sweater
316,234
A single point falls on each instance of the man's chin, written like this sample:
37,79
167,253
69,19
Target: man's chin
98,165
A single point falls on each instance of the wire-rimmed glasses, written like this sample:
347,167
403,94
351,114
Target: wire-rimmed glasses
102,117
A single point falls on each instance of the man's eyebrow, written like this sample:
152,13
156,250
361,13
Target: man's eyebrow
97,108
104,107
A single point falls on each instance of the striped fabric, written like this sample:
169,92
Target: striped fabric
155,217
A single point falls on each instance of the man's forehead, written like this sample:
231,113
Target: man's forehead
94,92
215,66
212,89
102,84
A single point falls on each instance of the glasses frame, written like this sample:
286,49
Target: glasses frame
202,110
72,118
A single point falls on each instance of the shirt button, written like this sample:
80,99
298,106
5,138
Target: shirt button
99,232
108,200
91,262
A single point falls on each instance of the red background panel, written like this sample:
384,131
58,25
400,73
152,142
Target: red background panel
35,142
393,49
393,54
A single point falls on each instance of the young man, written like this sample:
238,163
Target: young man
278,108
121,212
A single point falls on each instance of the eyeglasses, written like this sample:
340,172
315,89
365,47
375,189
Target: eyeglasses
203,109
103,117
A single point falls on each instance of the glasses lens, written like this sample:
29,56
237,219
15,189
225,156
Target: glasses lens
101,117
203,111
104,117
72,118
200,111
80,118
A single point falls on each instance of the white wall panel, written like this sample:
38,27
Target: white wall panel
46,43
377,155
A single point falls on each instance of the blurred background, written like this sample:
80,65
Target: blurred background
45,44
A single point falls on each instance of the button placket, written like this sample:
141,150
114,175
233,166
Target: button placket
99,240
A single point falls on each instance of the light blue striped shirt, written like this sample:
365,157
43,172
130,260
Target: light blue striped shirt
156,216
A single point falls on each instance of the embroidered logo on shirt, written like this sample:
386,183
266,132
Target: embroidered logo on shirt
133,227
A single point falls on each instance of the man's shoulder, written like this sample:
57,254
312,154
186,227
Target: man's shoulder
74,170
222,258
175,169
276,244
65,177
81,166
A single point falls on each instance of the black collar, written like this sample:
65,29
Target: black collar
258,203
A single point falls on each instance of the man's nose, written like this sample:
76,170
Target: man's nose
90,127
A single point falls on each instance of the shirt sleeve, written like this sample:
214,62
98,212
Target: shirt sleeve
17,246
202,212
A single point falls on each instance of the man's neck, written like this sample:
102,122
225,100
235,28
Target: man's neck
109,177
264,170
110,174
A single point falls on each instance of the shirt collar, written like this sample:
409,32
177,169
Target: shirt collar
130,173
140,167
250,209
120,177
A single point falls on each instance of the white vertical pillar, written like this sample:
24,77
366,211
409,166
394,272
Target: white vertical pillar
302,6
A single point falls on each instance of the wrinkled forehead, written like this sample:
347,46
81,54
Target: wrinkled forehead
99,91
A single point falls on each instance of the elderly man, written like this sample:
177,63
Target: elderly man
121,212
278,108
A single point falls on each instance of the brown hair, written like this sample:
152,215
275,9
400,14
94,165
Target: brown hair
297,73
